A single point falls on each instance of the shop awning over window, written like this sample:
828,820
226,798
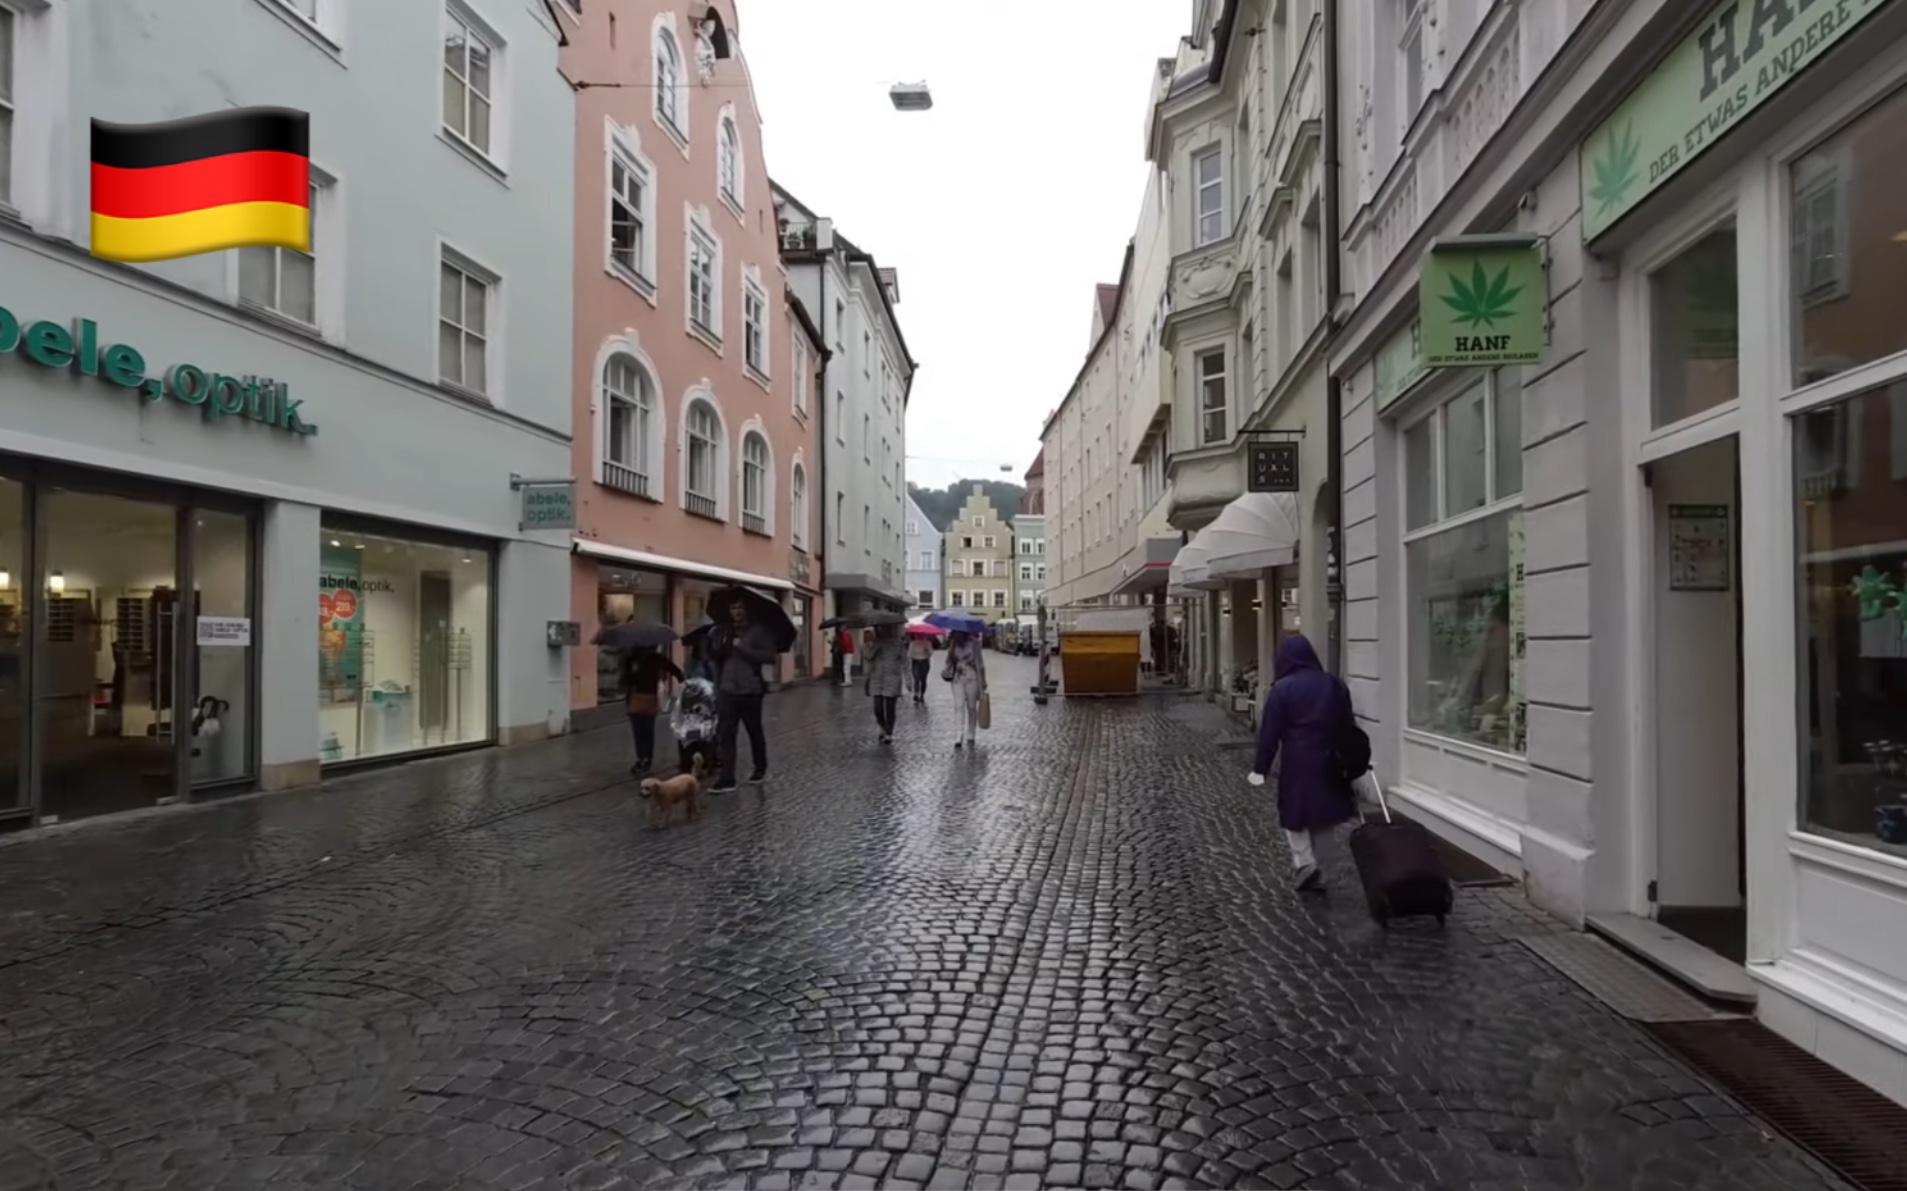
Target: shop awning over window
1188,570
1258,530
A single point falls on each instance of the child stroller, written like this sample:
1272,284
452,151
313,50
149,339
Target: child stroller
693,722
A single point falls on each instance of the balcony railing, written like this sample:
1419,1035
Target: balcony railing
702,506
755,523
625,479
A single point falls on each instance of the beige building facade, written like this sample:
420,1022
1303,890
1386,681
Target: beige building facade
978,547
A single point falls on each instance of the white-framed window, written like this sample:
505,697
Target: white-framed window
757,479
841,417
1026,572
978,522
1463,520
728,162
999,598
632,199
928,562
632,423
1039,572
990,542
1026,601
840,519
472,62
466,297
282,281
798,364
924,598
702,471
7,23
798,505
754,327
1208,184
867,353
704,279
966,543
956,599
840,325
913,528
1410,61
1214,397
671,89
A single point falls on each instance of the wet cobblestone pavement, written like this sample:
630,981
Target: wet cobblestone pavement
1069,959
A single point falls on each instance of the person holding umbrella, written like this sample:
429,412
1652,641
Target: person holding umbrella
920,658
641,667
750,630
966,667
884,664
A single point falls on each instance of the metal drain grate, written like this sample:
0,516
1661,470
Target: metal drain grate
1841,1121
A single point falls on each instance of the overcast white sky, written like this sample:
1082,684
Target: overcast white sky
1001,208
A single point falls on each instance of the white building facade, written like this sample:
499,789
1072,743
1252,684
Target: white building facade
867,380
924,555
1237,126
303,526
1626,619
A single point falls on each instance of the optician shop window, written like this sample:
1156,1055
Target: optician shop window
404,633
1848,275
1463,560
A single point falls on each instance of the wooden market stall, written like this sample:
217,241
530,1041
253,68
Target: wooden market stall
1100,652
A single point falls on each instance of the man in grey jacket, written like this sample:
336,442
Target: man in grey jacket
739,650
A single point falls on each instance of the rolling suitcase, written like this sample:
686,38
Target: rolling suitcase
1402,873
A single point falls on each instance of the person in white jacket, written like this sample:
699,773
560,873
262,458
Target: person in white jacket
967,669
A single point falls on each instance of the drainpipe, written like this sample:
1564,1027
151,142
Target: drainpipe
1334,389
823,404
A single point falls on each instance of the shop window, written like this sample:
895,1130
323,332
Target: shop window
404,631
1847,265
624,596
1852,537
1695,330
221,717
1463,556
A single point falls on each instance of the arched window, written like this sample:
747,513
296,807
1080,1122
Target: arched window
755,482
729,162
798,506
668,81
631,435
704,477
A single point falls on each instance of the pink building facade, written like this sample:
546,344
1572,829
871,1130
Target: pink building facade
695,453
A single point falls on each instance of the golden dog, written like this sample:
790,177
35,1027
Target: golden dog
663,793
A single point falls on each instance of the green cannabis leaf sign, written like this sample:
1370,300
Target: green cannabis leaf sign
1482,302
1613,172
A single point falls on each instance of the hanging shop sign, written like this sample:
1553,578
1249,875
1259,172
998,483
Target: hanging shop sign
1272,467
77,348
1743,53
548,506
1483,302
1400,365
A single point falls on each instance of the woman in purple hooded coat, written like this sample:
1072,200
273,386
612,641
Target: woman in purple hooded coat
1307,715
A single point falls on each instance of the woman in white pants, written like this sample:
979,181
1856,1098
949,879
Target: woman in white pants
967,670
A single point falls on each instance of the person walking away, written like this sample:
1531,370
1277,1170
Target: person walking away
643,672
885,666
845,643
1307,717
699,664
739,650
920,659
967,669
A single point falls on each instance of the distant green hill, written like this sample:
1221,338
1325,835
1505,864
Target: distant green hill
942,505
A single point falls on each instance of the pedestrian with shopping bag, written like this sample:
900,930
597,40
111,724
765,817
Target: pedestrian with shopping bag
966,668
644,671
1306,726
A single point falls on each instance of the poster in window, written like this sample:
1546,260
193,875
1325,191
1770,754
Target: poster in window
1701,555
340,624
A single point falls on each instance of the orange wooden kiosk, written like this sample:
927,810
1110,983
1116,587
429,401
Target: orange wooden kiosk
1100,657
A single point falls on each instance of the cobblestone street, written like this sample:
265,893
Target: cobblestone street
1069,959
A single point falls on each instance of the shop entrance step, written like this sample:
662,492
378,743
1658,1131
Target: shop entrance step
1687,961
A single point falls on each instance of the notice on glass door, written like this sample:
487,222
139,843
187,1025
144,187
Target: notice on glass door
225,630
1701,549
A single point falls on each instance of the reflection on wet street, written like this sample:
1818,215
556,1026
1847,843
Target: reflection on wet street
1070,958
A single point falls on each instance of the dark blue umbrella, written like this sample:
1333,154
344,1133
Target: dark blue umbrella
956,621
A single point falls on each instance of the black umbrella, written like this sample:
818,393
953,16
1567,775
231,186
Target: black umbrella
634,635
696,635
762,610
836,622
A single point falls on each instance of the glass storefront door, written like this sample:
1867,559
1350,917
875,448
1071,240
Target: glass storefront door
15,616
222,629
106,654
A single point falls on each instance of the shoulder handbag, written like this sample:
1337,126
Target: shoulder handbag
643,703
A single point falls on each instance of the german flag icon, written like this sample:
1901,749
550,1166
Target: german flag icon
230,179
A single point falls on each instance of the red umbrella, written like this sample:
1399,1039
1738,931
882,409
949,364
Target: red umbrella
925,630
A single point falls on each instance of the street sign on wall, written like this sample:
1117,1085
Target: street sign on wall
1483,301
1742,54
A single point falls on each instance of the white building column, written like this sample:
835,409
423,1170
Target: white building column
533,589
288,646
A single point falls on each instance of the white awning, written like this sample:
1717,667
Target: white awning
662,562
1187,575
1255,531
